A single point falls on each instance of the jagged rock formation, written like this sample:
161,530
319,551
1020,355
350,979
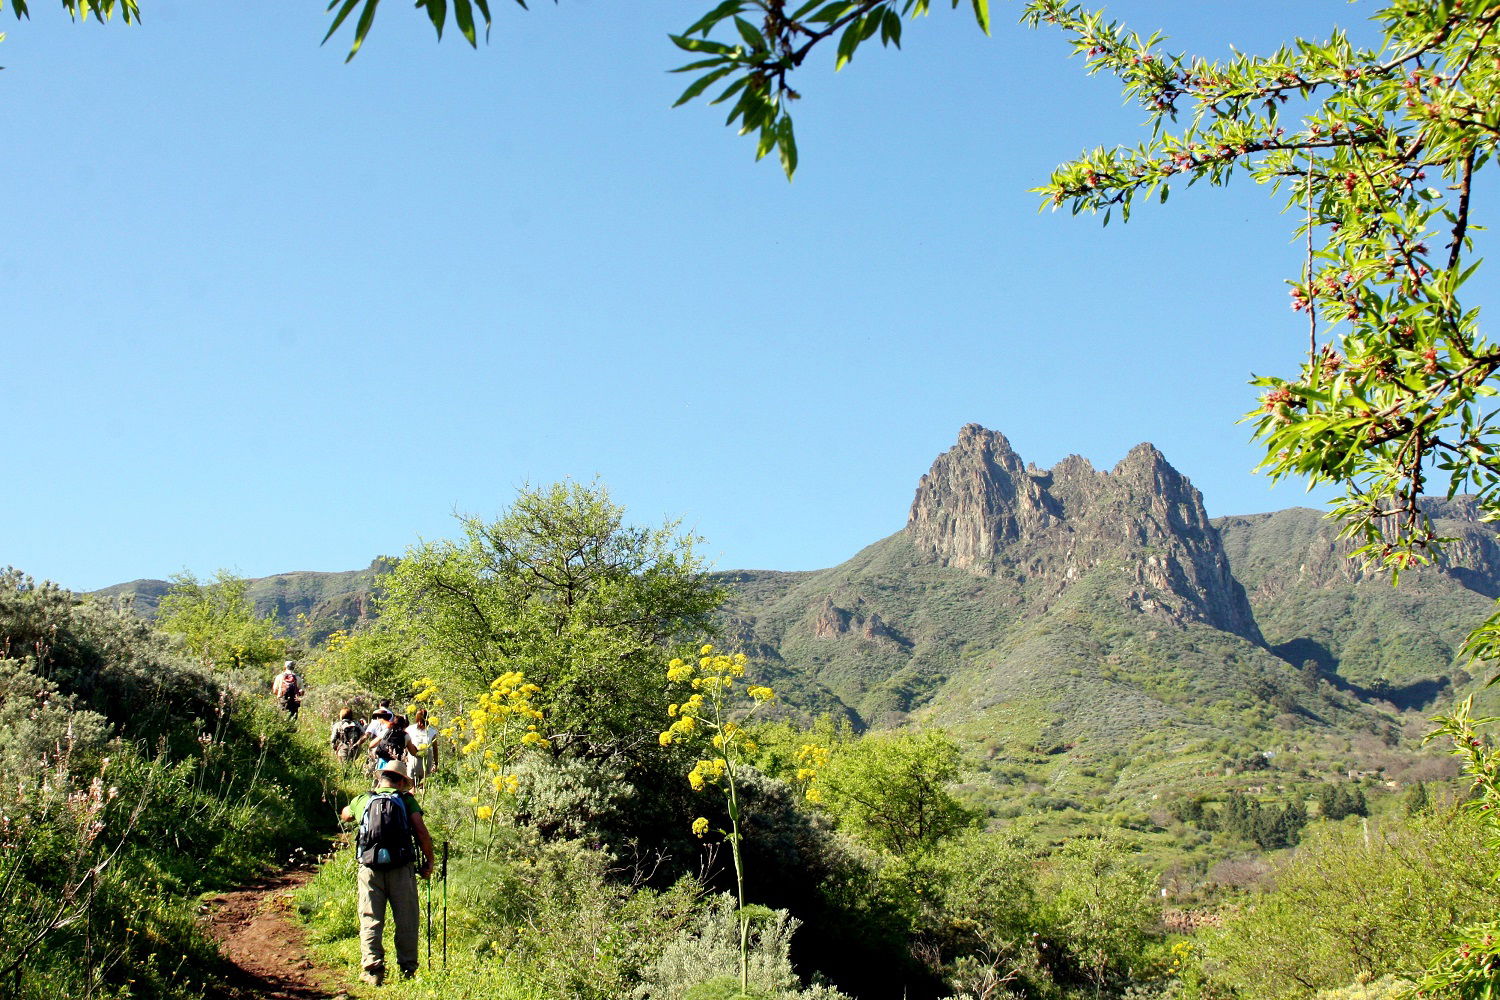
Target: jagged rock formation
981,510
833,622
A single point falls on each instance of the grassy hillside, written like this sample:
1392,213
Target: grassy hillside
1400,643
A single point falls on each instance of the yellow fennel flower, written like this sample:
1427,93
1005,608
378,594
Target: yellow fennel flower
700,826
485,812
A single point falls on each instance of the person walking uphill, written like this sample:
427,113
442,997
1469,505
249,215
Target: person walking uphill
393,848
287,688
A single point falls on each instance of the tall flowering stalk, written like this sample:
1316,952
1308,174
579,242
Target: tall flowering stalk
702,719
490,737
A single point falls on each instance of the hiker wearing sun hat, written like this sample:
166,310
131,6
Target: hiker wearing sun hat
393,847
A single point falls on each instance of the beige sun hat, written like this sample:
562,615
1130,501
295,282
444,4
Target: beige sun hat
396,767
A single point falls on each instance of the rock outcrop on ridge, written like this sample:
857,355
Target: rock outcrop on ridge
980,509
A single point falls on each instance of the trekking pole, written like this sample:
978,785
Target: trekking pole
428,880
445,906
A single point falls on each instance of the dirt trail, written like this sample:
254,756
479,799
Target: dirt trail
259,936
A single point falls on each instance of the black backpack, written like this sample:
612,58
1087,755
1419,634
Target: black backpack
393,746
385,838
348,733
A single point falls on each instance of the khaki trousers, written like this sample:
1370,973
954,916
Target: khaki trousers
398,887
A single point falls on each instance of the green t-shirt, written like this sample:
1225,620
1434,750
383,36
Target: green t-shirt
357,807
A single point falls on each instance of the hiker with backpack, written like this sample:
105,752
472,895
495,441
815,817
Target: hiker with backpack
424,741
393,847
287,688
395,745
346,736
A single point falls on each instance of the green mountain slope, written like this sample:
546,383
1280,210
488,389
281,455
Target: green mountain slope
1398,643
1088,633
310,605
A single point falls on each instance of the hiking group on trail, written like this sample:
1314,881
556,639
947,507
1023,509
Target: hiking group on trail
387,737
391,841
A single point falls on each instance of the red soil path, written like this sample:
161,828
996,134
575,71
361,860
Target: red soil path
260,937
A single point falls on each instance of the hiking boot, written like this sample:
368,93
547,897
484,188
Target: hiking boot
373,976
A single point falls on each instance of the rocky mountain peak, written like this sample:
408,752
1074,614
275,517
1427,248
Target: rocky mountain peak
977,497
981,509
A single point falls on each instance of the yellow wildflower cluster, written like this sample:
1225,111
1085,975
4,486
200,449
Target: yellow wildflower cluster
424,690
707,772
812,758
711,678
505,706
704,712
489,733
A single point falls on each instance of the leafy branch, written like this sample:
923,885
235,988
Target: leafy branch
771,43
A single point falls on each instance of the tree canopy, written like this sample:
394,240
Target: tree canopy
561,588
218,623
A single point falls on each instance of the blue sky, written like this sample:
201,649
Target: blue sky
267,311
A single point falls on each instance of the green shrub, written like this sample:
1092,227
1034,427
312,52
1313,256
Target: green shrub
135,780
702,961
1355,903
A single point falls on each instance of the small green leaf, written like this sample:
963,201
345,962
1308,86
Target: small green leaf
750,34
705,24
832,12
786,144
463,14
366,18
700,64
700,45
701,84
982,14
437,13
848,42
730,91
339,18
890,28
766,142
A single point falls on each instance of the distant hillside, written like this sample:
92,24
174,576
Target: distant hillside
329,601
1079,604
1315,605
1093,633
